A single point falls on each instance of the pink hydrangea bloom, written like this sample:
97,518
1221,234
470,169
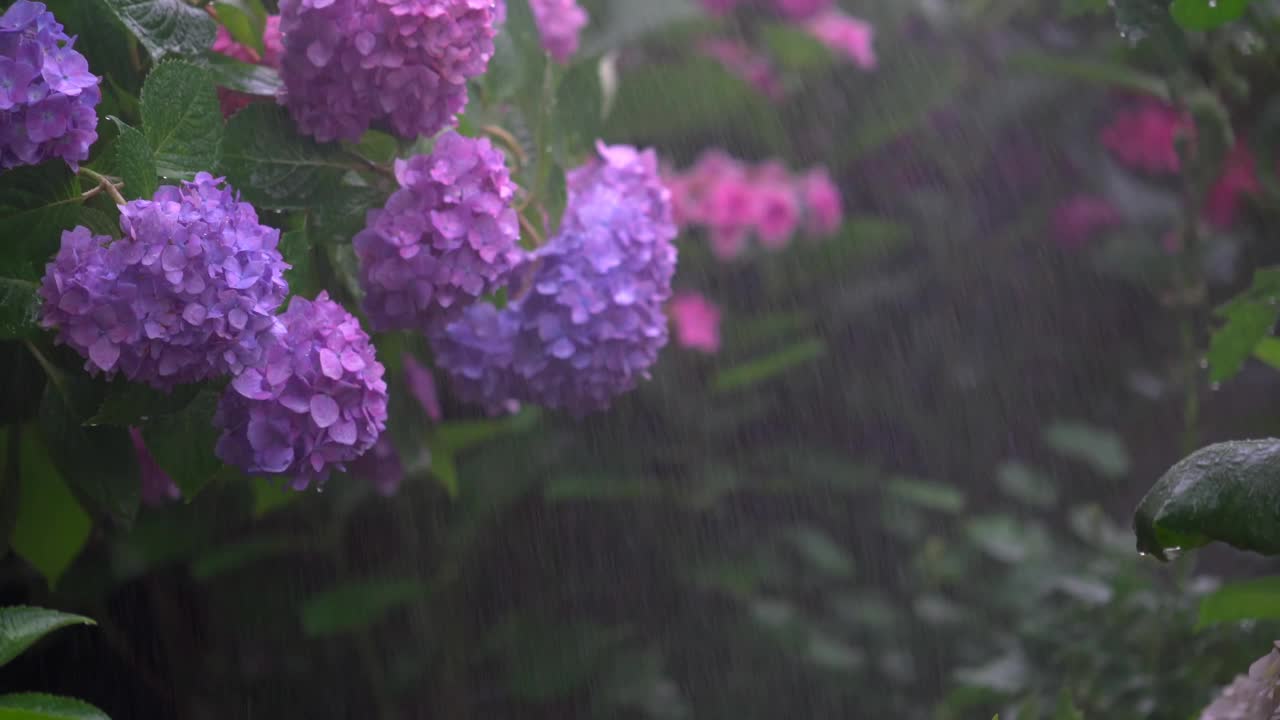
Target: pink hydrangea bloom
777,213
753,67
697,322
822,198
1080,217
1143,136
845,35
559,23
157,487
1238,179
273,47
422,385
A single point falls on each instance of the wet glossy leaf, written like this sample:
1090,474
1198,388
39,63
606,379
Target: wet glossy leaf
244,20
271,164
38,706
134,161
1206,14
21,627
166,26
242,77
1228,492
181,119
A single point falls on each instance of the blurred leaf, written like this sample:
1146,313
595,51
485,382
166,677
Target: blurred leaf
1007,674
1103,449
543,662
51,528
38,706
1106,74
357,605
21,627
834,653
1006,539
230,558
166,26
274,166
134,161
1026,484
1229,492
232,74
821,552
181,119
1206,14
270,495
1257,599
245,21
97,463
628,20
1268,351
593,486
1214,136
770,366
1149,20
1066,709
183,444
1247,325
929,495
795,48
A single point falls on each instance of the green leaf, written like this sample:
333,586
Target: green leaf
245,21
134,161
21,627
51,527
1214,137
1257,599
820,551
38,706
1232,344
1100,448
1228,492
166,26
1067,709
270,495
19,308
769,366
357,605
1268,351
240,76
97,463
299,251
1006,539
230,558
128,404
1026,484
183,442
272,165
1139,20
181,119
1206,14
929,495
36,205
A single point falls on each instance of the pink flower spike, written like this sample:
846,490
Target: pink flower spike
697,322
847,36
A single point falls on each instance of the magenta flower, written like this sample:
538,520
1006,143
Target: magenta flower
48,96
697,322
316,401
754,68
1238,180
422,385
559,23
157,487
778,213
824,207
1143,136
402,65
273,47
188,293
845,35
448,236
1080,217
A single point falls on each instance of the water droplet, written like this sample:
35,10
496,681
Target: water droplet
1173,553
1204,363
1213,3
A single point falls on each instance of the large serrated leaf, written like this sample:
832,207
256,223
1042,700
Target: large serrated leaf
273,166
21,627
182,444
134,161
39,706
181,119
19,308
166,26
97,462
1228,492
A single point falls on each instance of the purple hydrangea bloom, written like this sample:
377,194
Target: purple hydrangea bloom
316,400
592,322
48,97
446,237
559,23
403,65
188,293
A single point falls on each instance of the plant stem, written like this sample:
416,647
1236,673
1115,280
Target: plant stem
106,184
508,141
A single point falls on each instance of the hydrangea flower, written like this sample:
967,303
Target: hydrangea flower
48,97
402,65
232,101
845,35
188,293
697,322
559,23
1143,136
448,236
316,401
821,197
591,323
157,487
754,68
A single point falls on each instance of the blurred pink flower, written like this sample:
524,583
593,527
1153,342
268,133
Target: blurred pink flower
753,67
1080,217
273,47
846,35
796,10
697,322
778,214
824,207
422,385
1238,179
1142,136
719,7
157,487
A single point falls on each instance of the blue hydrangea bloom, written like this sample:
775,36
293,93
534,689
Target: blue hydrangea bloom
188,293
316,401
48,97
591,322
448,236
401,65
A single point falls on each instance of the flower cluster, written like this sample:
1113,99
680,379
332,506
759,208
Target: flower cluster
273,48
48,97
446,237
1143,136
349,65
591,322
733,200
559,23
845,35
697,322
755,68
188,293
315,402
